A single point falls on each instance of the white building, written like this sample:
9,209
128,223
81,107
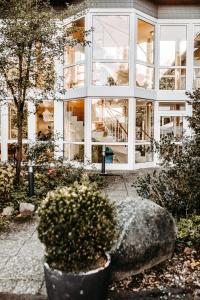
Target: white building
126,87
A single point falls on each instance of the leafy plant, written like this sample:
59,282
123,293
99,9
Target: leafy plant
77,226
189,231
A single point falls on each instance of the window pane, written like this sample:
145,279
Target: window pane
74,76
74,121
110,120
12,152
77,53
172,79
197,46
145,42
144,77
171,127
74,152
196,84
110,37
173,43
110,74
114,154
143,154
45,120
144,120
167,106
12,126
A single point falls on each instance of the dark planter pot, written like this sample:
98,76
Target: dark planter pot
92,285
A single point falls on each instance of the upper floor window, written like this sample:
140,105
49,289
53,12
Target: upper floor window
110,50
74,72
145,55
173,48
145,42
196,83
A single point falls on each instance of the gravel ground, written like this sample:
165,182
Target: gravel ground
179,275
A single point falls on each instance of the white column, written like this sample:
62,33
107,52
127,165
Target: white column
58,127
156,128
87,130
4,132
131,133
190,51
88,51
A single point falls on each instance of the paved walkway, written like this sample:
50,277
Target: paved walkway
21,253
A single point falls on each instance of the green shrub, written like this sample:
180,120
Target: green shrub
77,226
189,231
7,176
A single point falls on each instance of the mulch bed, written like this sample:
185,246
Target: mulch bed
177,278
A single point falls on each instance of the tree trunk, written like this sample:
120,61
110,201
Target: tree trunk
19,146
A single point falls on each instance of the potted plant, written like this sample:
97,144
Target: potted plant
77,227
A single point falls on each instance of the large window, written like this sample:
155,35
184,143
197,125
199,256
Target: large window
173,48
144,131
74,130
45,120
110,120
75,57
110,50
145,55
196,83
110,128
12,125
171,127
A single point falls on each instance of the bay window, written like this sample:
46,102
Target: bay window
173,48
110,50
145,55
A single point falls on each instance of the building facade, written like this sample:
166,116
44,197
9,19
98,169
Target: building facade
123,89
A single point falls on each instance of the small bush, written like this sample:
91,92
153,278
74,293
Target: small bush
189,231
77,226
7,176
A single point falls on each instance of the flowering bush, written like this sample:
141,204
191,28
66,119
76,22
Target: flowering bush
77,226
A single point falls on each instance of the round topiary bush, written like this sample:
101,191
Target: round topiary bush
77,227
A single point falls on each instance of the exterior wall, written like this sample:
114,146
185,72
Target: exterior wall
143,5
178,12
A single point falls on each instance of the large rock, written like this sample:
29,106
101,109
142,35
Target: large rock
147,237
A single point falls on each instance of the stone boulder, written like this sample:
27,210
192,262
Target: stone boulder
147,234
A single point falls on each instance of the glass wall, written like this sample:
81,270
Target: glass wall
196,83
110,50
144,131
45,120
110,126
171,127
145,55
74,71
173,54
74,130
109,120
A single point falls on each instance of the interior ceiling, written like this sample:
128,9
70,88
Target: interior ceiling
159,2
